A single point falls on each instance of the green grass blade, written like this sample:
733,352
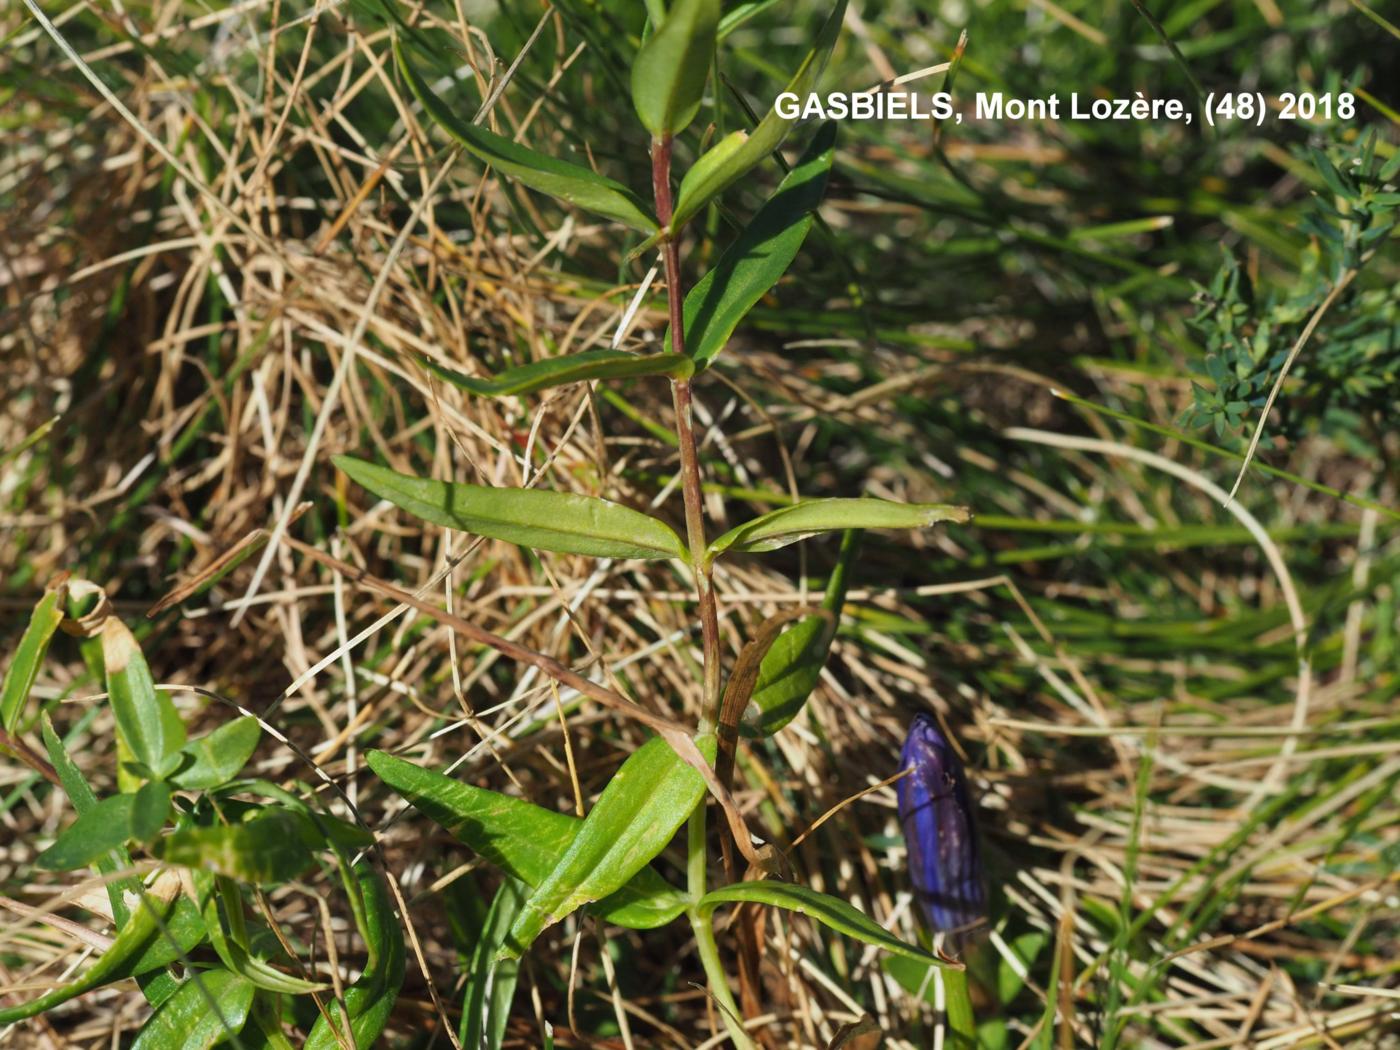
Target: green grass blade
491,981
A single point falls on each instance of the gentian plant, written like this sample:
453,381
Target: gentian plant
558,863
215,839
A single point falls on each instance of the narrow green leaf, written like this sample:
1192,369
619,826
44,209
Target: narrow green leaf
491,981
758,259
216,758
103,828
271,847
74,784
552,521
370,999
791,668
24,668
209,1007
787,525
569,182
76,787
121,958
830,911
29,440
705,180
524,840
669,73
571,368
146,718
636,815
738,14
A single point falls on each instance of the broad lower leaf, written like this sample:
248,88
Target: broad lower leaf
491,981
633,820
830,911
33,644
707,178
208,1008
669,72
76,787
791,668
103,828
146,718
122,957
149,808
552,521
758,259
571,368
569,182
182,932
271,847
213,760
370,999
787,525
524,840
183,929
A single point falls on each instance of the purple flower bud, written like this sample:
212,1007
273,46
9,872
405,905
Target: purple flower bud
936,812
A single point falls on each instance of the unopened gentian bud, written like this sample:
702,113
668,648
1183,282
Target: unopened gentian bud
935,810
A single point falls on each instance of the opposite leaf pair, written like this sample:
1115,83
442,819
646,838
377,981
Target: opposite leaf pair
574,524
603,860
668,80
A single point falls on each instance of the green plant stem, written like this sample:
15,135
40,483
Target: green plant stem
718,980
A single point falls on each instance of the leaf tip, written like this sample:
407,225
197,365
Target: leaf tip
118,646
